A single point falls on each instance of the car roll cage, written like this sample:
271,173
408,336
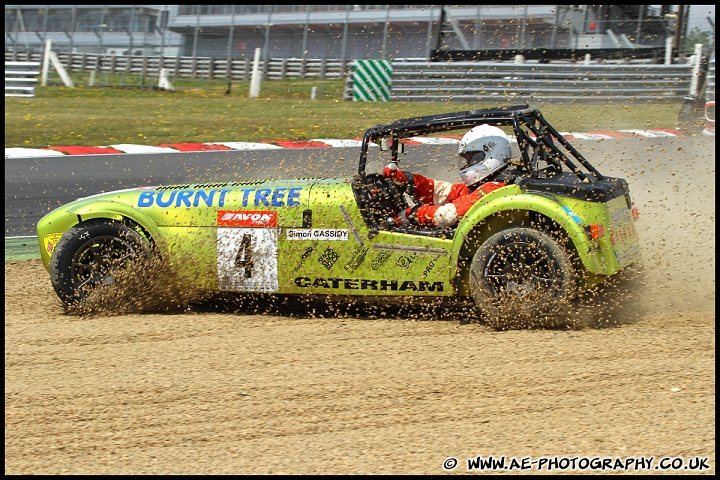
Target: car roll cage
537,141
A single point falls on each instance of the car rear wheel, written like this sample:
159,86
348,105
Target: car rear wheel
89,254
522,278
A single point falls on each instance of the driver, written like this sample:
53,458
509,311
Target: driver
484,153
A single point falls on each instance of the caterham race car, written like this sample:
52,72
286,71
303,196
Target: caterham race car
556,229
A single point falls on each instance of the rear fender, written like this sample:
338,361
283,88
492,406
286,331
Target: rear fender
514,206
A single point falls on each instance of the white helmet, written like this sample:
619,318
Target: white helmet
484,150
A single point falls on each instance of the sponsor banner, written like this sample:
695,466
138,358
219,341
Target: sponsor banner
246,218
316,234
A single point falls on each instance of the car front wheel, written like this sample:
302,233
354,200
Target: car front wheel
89,254
522,278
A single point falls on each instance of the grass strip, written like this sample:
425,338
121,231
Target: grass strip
97,116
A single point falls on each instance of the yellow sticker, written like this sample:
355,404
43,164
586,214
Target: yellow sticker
50,241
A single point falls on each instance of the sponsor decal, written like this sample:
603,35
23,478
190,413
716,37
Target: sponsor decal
316,234
620,216
409,250
365,284
380,260
183,198
406,260
623,226
627,255
247,259
357,259
430,266
350,223
298,234
578,219
276,197
247,218
50,241
328,258
623,233
306,254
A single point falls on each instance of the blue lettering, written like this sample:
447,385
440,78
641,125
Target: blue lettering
278,194
206,196
184,197
195,198
221,200
146,199
293,197
163,203
261,196
246,194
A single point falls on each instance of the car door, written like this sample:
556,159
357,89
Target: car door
338,254
250,243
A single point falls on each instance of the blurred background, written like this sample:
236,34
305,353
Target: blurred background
219,40
351,31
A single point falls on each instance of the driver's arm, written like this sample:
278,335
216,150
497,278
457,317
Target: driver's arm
449,213
424,187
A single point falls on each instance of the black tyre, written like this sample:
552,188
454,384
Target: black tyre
87,255
522,278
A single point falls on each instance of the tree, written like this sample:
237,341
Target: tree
699,36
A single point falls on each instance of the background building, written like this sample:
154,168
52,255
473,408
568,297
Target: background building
339,31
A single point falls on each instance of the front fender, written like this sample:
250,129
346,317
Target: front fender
116,211
512,199
51,227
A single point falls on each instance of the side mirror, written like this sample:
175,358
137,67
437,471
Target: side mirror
385,145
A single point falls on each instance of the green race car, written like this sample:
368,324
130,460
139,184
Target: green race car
557,229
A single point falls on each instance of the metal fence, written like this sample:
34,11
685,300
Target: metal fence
413,79
710,80
500,82
193,67
21,78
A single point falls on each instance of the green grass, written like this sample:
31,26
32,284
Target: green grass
199,111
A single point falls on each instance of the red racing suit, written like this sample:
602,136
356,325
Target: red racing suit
445,203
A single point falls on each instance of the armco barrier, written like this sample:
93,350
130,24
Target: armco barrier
420,80
21,78
237,69
499,82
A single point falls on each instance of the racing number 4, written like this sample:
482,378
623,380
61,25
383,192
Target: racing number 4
243,259
247,259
